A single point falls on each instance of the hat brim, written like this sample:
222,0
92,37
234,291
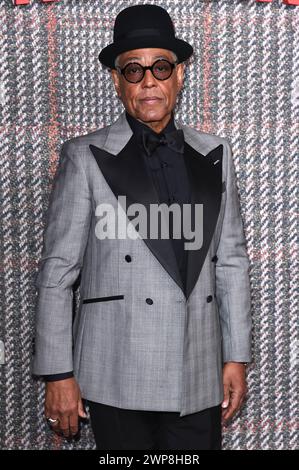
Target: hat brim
181,48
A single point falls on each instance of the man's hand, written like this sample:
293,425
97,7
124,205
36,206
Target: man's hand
235,389
63,401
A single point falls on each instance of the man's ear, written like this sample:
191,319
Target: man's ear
180,74
115,79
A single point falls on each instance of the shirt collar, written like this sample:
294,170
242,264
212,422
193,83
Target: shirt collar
137,126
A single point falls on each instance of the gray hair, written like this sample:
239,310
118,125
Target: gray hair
116,62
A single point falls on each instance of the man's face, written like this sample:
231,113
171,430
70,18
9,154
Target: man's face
150,100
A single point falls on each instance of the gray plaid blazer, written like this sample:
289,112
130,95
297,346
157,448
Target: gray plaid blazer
138,340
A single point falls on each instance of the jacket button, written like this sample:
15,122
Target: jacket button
149,301
209,298
128,258
215,259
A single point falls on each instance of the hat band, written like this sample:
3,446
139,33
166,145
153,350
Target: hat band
142,32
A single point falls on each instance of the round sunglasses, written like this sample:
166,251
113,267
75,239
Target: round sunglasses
134,72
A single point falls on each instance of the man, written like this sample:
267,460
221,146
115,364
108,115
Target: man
163,328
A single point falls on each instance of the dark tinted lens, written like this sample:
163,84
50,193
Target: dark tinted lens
133,73
162,69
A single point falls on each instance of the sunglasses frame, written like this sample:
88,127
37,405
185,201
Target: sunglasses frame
147,67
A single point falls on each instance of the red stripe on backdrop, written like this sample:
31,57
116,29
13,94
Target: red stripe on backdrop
53,129
21,2
286,2
206,61
27,2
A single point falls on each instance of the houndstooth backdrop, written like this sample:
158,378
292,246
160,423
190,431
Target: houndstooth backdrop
241,84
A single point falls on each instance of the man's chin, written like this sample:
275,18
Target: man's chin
152,117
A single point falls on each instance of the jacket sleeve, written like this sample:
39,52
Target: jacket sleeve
56,377
232,275
64,242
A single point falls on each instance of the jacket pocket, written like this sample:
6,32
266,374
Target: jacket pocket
102,299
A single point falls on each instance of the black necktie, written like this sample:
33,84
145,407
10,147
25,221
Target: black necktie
173,139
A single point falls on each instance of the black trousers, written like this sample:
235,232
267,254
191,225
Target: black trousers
117,429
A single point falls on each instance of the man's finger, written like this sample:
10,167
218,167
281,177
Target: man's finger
81,411
65,426
55,427
73,420
226,398
50,417
236,399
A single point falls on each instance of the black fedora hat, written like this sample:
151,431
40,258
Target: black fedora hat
142,26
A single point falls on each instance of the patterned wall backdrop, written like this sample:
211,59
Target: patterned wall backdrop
241,84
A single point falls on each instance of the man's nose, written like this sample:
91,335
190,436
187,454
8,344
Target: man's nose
148,79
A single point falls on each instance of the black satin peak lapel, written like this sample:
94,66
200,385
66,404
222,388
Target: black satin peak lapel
205,176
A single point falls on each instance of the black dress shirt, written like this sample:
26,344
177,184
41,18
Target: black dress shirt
167,169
